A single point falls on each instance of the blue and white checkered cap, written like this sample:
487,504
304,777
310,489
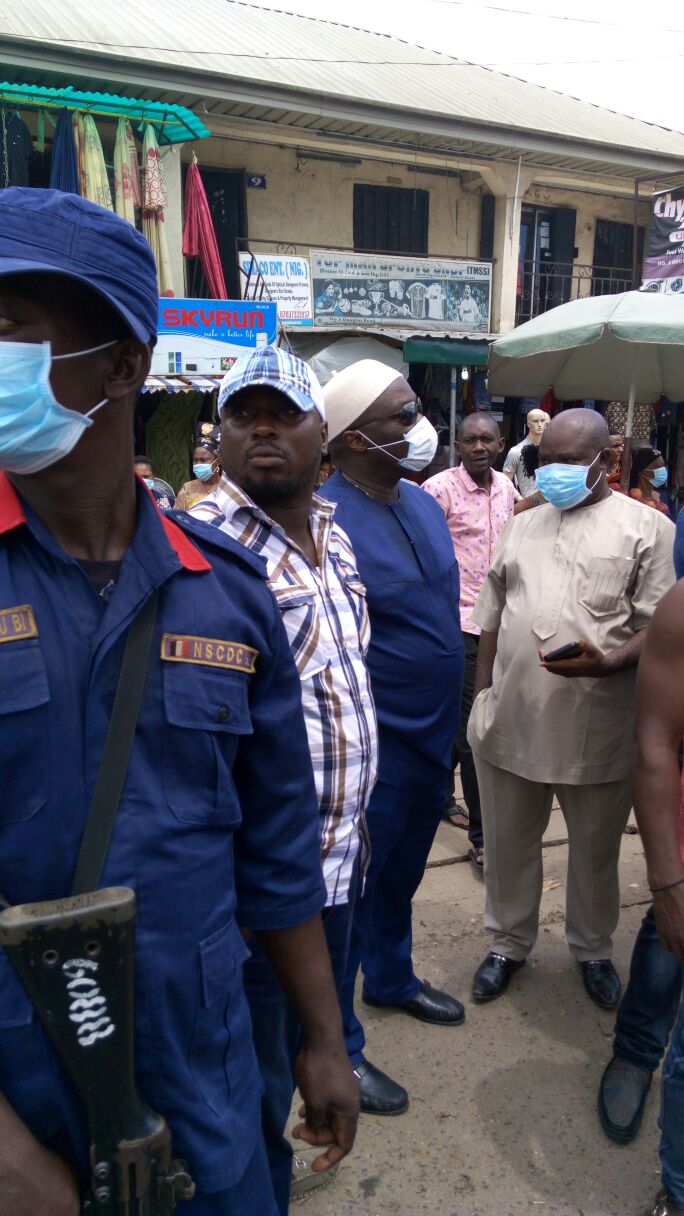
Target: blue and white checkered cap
277,368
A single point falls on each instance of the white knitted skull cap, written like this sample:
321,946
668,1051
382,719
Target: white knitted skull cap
349,394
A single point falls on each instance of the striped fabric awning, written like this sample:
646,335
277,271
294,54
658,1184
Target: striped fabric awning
181,384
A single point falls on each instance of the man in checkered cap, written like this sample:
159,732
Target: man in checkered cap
273,435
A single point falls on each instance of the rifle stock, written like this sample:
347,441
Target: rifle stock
75,958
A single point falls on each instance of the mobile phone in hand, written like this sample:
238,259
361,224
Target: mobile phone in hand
571,651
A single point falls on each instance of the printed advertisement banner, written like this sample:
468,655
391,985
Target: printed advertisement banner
664,256
288,280
357,289
209,335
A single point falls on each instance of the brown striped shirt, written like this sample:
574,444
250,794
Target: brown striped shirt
324,612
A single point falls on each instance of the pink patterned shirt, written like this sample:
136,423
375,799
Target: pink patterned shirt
476,517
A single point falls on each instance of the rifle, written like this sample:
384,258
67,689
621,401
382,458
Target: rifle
75,959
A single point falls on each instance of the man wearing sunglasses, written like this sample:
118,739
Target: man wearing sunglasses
406,560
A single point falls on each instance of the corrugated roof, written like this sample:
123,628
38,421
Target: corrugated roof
232,40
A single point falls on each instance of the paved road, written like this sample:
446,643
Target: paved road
502,1119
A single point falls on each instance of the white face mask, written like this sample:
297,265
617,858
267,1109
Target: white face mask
422,440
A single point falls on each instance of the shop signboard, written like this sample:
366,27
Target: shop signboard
209,335
288,281
664,255
353,290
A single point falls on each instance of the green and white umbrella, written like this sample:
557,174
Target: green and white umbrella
628,347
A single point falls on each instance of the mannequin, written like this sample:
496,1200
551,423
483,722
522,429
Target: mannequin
537,422
520,466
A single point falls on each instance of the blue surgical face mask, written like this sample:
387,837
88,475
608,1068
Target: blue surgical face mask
203,471
565,485
659,478
35,430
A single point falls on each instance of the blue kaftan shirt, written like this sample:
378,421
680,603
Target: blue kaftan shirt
405,557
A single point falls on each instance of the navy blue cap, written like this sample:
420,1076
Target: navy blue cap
49,230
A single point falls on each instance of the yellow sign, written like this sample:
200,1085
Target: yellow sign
17,624
209,652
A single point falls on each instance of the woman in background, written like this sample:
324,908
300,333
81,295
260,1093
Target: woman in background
648,474
206,467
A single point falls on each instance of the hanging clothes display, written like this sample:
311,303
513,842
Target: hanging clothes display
16,149
64,168
154,202
79,146
91,162
127,190
199,238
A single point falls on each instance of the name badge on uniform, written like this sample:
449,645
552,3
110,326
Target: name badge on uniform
17,624
210,652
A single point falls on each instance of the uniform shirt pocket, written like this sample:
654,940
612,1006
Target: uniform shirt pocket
217,1058
606,584
24,698
207,710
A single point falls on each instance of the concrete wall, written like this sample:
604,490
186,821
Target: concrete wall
589,208
308,203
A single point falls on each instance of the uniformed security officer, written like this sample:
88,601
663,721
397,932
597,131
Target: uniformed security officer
82,547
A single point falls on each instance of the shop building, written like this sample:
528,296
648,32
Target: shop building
316,140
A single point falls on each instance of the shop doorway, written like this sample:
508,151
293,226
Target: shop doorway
545,259
226,197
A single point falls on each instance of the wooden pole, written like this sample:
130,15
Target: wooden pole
627,454
452,417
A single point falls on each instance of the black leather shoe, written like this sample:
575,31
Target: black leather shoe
602,982
621,1099
428,1005
380,1095
493,976
663,1207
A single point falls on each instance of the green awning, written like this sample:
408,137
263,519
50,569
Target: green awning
173,124
446,350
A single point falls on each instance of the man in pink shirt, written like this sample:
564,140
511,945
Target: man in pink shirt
477,502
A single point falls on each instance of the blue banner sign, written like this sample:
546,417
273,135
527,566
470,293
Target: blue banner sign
208,335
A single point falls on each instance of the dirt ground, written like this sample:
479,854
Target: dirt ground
502,1120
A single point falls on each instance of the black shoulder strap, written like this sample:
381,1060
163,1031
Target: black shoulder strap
117,750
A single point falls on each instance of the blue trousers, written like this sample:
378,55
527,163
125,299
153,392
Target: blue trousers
648,1010
672,1113
253,1194
649,1007
401,825
461,753
277,1038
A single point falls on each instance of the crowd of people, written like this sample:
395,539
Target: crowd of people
323,656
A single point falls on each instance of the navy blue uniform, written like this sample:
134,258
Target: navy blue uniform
679,546
200,836
405,557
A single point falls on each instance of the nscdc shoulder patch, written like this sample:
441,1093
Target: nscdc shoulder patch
209,652
17,624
